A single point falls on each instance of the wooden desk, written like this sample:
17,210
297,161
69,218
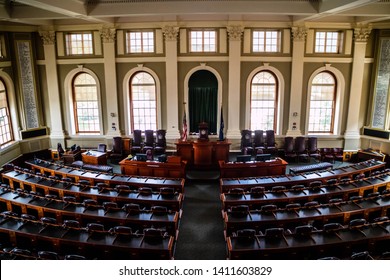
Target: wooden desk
253,168
203,154
364,155
153,168
94,157
54,169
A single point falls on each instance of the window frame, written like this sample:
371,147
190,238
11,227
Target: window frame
79,33
334,105
203,39
131,104
8,115
339,41
128,41
275,100
278,45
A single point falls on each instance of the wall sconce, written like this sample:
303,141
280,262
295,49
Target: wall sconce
112,115
295,114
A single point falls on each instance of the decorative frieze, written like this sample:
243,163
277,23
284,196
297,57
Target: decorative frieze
170,33
235,32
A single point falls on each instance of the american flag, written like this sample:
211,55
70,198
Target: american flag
184,134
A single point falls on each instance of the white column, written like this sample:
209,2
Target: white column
352,132
172,109
108,37
295,113
56,124
233,125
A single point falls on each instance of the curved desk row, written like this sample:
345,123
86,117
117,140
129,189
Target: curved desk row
50,168
365,167
127,246
39,184
341,212
316,243
62,210
323,194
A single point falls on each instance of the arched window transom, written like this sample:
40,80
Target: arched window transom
6,135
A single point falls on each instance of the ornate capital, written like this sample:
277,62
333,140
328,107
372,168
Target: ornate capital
361,33
299,33
170,33
108,34
48,37
235,32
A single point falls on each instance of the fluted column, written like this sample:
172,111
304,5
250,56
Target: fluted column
295,112
352,133
170,35
56,121
233,128
108,37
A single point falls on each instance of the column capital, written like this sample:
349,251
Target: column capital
361,33
48,36
299,33
170,32
108,34
235,32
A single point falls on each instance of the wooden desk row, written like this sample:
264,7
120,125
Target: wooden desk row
63,210
50,168
40,184
322,194
341,212
314,244
154,168
126,246
272,167
365,167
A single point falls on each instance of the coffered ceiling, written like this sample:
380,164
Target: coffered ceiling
70,12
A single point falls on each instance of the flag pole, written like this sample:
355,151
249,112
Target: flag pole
184,132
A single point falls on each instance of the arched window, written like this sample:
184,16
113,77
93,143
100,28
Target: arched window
322,103
143,102
6,135
264,98
86,104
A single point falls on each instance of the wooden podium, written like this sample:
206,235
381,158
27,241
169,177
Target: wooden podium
203,154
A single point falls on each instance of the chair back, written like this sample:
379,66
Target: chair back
137,137
270,134
117,145
149,138
288,144
300,146
312,144
259,138
160,138
102,148
246,138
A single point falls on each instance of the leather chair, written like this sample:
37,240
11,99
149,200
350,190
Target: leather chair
161,142
148,143
136,143
60,150
289,152
338,154
246,142
259,141
271,146
327,155
116,154
102,148
300,149
312,148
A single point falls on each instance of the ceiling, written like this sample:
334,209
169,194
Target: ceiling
70,12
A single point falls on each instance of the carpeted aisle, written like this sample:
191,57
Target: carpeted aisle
201,227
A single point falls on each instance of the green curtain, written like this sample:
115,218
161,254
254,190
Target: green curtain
203,107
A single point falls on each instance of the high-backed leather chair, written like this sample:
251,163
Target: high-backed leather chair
259,141
148,143
102,148
136,143
300,148
289,152
246,142
161,142
271,146
116,153
312,148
